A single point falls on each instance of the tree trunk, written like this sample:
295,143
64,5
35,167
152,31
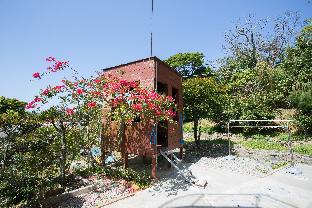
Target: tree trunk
195,131
104,127
63,157
121,137
103,153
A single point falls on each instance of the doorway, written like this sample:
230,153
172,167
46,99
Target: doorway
162,133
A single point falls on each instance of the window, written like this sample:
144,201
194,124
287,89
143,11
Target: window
162,88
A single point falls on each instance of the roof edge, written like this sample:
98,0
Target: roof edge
141,60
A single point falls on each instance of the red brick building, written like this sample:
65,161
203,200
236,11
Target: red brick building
151,73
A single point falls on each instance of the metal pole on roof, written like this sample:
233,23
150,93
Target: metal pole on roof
152,28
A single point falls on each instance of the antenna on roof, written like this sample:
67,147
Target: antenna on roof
152,28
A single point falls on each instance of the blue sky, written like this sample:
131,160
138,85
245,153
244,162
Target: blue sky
96,34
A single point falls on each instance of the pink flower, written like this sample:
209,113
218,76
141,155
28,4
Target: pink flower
37,99
123,82
91,104
157,112
171,113
79,91
49,59
151,106
46,91
36,75
95,93
58,88
137,107
70,111
170,98
30,105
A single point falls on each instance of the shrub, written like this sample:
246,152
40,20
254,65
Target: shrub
304,149
279,165
141,179
258,137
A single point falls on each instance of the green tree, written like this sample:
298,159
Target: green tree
27,155
202,98
297,65
297,74
252,93
302,100
189,64
14,123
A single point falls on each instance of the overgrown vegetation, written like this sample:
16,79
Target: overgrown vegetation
141,179
304,149
261,75
263,144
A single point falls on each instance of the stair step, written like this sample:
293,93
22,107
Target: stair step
188,176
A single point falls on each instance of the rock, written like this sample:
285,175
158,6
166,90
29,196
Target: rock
78,165
201,183
78,178
85,181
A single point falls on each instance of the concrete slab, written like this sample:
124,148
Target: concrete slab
228,189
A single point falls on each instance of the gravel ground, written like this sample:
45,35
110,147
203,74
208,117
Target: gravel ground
108,190
241,165
210,155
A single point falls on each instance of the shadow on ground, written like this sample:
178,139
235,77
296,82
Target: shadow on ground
71,202
207,148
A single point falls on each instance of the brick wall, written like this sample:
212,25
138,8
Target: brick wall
138,135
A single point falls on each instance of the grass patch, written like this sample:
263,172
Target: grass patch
279,165
205,126
305,149
263,144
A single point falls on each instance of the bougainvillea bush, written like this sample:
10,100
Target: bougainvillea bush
59,123
77,105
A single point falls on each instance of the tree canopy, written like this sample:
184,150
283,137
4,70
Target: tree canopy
189,64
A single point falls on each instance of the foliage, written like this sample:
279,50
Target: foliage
14,123
263,144
189,64
204,127
302,100
304,149
252,93
297,64
299,78
31,169
141,179
279,165
202,99
258,137
261,69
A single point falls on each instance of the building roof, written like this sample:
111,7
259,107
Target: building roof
142,60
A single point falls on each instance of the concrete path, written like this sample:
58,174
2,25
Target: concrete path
227,189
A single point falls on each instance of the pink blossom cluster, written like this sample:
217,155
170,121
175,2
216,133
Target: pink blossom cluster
57,66
33,103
